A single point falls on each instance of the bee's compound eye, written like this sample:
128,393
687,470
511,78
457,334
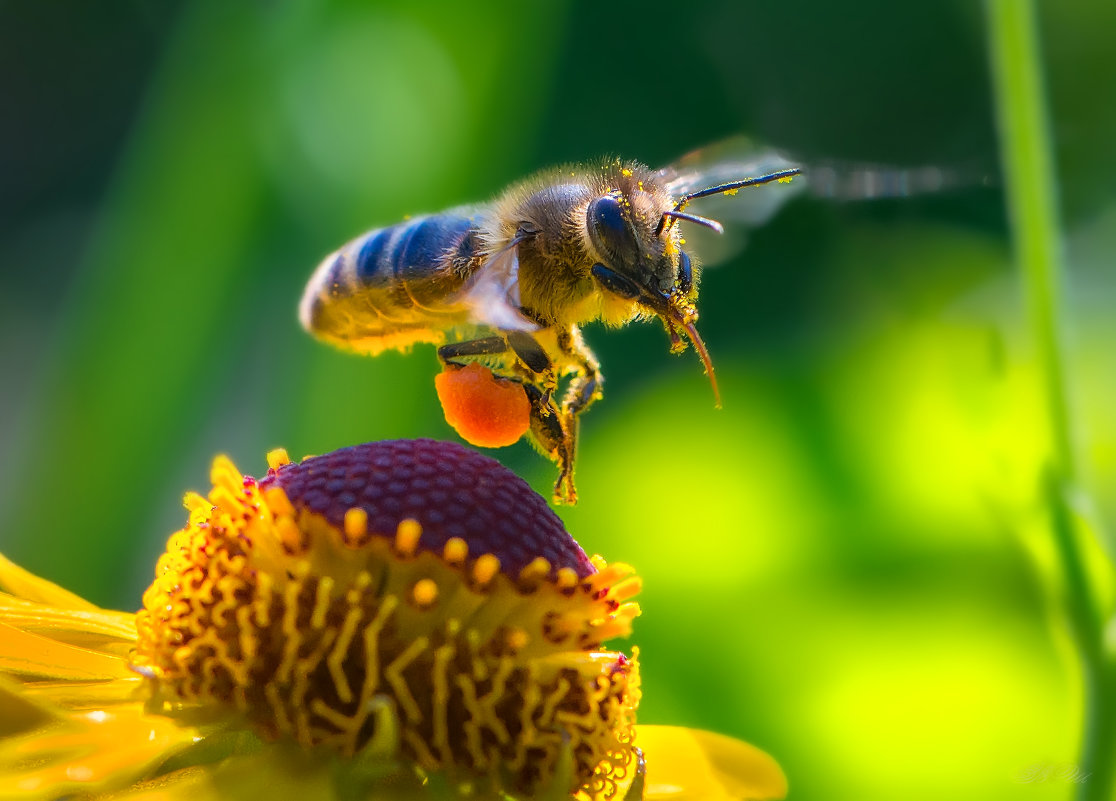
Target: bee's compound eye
685,273
606,217
609,231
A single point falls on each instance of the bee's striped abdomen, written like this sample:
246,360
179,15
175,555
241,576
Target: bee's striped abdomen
416,257
391,281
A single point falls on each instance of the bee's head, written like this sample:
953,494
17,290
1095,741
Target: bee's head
644,265
636,262
640,264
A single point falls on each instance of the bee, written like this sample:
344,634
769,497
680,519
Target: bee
511,283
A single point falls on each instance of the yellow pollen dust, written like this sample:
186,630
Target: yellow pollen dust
626,172
786,180
732,192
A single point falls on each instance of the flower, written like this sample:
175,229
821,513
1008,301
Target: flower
392,620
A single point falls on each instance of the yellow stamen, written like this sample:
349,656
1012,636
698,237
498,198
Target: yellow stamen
608,576
289,534
425,593
518,639
626,589
278,501
485,568
456,551
278,458
225,499
407,535
225,474
196,503
356,523
567,578
535,571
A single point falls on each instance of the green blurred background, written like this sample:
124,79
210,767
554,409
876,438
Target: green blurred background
846,565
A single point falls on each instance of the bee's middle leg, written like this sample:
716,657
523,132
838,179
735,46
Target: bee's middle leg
454,352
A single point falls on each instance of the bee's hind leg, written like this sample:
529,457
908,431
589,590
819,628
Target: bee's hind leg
549,426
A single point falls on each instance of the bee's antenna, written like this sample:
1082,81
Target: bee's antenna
681,215
721,189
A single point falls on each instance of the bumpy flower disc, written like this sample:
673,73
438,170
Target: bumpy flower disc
449,490
409,601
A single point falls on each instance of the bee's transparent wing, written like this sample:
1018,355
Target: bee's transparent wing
492,296
738,158
733,160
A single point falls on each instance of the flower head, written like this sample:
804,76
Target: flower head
375,622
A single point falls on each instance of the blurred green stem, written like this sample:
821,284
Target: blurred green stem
1032,200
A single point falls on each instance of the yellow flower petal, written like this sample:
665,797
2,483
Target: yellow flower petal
32,657
22,584
86,695
101,630
282,772
694,765
20,713
47,752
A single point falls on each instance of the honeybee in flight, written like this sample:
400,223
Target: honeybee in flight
511,282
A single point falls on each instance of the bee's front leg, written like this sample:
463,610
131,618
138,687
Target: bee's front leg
586,386
548,429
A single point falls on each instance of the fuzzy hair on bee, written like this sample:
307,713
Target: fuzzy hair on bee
555,205
509,283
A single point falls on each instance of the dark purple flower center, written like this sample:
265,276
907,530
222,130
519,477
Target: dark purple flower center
450,490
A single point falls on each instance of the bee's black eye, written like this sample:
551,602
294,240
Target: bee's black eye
606,217
611,233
